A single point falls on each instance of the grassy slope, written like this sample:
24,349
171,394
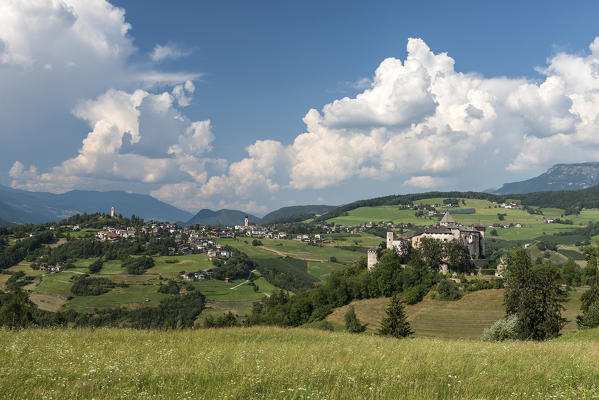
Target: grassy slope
315,259
276,363
52,291
466,318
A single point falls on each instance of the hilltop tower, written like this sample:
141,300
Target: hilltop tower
246,221
112,211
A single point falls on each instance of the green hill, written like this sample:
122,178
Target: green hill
289,212
221,217
273,363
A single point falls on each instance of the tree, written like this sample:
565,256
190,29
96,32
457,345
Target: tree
534,295
590,318
432,252
448,290
395,323
571,273
352,323
17,311
457,256
96,266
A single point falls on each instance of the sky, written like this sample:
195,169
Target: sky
259,105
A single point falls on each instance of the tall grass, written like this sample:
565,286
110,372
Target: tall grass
274,363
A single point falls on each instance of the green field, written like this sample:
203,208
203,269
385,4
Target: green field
292,248
462,319
187,263
52,292
274,363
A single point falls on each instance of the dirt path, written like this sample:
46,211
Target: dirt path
292,255
236,286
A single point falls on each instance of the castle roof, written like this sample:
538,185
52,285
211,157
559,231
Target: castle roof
447,219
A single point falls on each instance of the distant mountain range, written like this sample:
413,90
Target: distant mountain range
221,217
23,207
558,177
20,206
235,217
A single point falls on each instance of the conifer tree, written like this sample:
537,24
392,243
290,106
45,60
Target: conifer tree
395,323
17,311
352,323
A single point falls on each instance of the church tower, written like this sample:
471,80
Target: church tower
390,240
112,211
246,221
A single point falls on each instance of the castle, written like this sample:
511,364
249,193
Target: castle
473,237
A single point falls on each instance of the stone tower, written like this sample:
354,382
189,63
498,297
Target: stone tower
390,240
372,258
112,211
246,221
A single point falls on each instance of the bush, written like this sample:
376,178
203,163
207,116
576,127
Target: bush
170,288
448,290
504,329
256,242
137,266
590,318
85,286
414,294
223,321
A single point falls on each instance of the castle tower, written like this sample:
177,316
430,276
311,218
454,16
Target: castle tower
246,221
448,220
372,258
390,240
112,211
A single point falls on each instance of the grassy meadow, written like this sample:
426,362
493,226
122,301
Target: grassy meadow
274,363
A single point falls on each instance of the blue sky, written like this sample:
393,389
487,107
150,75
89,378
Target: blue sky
72,119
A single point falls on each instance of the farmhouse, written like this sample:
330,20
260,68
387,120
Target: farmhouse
473,237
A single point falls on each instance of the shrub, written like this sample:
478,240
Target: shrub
590,318
414,294
137,266
504,329
85,286
170,288
223,321
448,290
256,242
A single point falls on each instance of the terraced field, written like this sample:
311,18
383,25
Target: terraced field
462,319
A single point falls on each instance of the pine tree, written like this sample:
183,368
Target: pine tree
352,323
534,294
395,323
17,311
